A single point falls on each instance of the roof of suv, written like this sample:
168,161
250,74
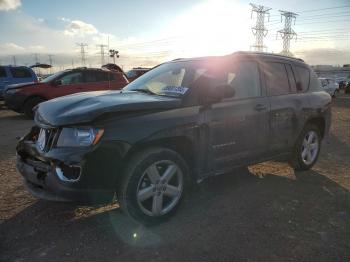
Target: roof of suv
246,54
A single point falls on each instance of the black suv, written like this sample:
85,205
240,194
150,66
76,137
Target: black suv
183,121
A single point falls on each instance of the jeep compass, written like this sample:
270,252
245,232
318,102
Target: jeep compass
179,123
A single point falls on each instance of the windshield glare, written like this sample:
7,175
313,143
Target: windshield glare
171,79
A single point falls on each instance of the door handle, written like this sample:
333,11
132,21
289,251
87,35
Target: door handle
259,107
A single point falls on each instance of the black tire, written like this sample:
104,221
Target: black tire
129,185
297,161
30,104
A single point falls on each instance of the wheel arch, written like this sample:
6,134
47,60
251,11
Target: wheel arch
320,122
182,145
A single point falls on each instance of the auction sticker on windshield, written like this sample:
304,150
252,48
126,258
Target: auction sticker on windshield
179,90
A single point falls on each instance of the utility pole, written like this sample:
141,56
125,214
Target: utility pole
14,60
50,62
102,53
259,30
287,33
82,53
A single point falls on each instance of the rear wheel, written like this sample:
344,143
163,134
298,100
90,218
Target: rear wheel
30,104
307,148
153,185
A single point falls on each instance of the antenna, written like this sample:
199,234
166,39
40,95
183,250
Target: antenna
259,30
82,53
287,33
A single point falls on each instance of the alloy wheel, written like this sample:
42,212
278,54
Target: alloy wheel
160,188
310,147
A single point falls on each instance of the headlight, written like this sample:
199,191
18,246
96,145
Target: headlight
79,136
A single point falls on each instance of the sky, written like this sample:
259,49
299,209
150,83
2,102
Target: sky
147,33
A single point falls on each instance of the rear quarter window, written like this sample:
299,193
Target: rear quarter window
304,78
20,73
3,72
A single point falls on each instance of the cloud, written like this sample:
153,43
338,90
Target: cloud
329,56
6,5
79,28
8,48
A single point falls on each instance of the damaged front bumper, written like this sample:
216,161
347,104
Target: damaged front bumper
69,174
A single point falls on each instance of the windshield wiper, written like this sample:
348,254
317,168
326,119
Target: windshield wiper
144,91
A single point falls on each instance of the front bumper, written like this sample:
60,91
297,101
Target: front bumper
96,183
14,101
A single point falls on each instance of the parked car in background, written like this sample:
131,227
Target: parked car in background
183,121
330,86
24,97
15,75
136,72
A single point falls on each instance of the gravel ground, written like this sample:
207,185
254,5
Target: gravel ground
266,213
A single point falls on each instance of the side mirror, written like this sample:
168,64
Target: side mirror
215,94
57,82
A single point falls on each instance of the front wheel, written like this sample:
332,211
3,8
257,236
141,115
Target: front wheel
307,148
153,185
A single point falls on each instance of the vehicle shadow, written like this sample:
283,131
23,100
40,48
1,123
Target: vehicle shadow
237,216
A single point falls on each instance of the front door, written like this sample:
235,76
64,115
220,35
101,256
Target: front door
239,125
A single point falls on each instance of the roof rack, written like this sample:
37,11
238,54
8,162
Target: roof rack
266,54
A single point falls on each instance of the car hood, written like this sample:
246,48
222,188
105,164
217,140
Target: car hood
85,107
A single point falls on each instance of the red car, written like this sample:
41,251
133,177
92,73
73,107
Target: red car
23,98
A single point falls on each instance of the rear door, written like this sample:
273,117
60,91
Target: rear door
96,80
4,79
239,125
286,105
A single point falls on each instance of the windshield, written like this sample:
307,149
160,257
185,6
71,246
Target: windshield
173,79
52,77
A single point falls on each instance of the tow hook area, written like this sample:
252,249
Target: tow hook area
68,173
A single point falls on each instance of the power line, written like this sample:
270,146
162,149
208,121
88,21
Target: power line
259,30
327,8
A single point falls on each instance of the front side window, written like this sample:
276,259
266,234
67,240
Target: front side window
20,72
276,79
72,78
245,80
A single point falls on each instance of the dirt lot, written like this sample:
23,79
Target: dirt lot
267,214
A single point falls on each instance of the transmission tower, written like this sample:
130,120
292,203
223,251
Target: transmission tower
287,33
14,60
102,53
259,30
82,53
36,58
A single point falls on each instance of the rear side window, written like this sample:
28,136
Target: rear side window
304,77
276,79
3,72
245,80
20,72
90,76
102,76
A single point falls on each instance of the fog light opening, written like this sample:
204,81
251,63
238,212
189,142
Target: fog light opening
68,173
